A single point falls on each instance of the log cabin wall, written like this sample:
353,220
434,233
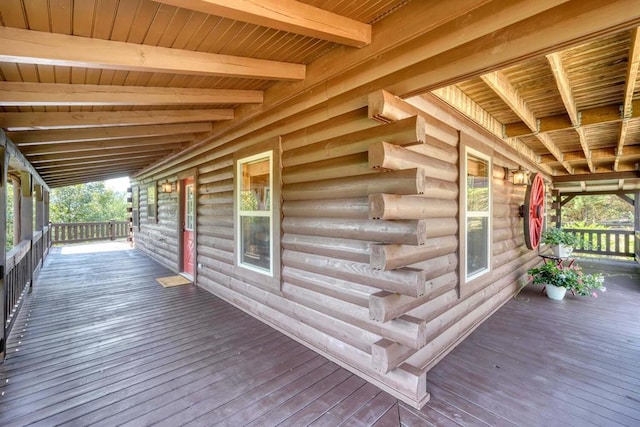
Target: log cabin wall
369,238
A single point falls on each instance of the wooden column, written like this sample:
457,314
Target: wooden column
26,206
3,242
636,223
14,186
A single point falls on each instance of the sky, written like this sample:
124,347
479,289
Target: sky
118,184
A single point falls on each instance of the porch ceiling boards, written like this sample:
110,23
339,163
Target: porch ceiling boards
200,71
93,346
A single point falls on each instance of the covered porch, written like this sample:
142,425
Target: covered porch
100,341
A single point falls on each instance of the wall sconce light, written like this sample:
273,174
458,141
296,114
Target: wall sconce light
166,187
520,177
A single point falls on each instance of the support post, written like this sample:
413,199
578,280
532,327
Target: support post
3,245
26,206
636,223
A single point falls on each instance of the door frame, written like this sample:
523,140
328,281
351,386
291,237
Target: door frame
182,177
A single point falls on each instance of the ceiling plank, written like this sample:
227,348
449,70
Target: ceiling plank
42,48
629,88
564,87
499,83
105,159
93,134
286,15
79,119
71,170
71,147
597,176
588,117
14,94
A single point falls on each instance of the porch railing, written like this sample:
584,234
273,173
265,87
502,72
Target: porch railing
21,263
605,242
73,232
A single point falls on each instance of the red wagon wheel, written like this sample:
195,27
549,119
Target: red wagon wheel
534,211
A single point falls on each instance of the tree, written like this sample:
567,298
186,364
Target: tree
9,207
92,202
598,210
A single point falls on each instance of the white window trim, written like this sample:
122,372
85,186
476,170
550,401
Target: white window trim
239,213
470,151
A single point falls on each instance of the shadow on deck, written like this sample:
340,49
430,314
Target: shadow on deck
100,341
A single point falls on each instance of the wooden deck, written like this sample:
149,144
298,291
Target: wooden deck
101,342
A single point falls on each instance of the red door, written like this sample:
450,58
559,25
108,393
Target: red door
188,240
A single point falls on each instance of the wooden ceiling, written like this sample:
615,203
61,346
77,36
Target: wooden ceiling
95,89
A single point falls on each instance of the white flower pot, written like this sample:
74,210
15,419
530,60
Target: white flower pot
562,251
556,292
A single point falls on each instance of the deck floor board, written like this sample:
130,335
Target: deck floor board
100,342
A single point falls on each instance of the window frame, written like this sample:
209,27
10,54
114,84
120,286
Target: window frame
270,213
466,152
152,187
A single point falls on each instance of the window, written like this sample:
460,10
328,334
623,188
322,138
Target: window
254,214
477,213
135,207
151,201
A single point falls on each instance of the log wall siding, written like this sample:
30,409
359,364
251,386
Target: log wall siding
369,239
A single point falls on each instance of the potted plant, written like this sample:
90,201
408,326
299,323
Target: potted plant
559,278
562,243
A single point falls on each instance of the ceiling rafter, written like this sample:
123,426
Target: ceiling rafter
115,132
89,154
106,159
607,153
455,97
564,87
499,83
286,15
14,94
42,48
78,119
629,88
71,170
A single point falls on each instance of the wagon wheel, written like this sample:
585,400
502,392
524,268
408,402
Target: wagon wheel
533,211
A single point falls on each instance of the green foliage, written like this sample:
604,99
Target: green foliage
571,278
556,236
596,211
92,202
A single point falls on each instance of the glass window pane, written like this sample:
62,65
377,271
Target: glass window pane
477,245
255,193
255,241
477,185
190,207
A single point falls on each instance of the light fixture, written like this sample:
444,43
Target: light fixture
166,187
520,177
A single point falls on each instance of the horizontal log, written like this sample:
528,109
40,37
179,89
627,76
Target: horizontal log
394,157
404,281
220,232
394,206
215,176
219,163
385,306
411,232
216,187
390,257
352,292
387,355
410,181
333,208
225,197
437,267
407,131
436,149
347,249
216,243
340,167
406,330
387,108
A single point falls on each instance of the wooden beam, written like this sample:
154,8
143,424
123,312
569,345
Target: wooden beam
93,134
112,158
588,117
71,147
564,87
499,83
629,88
79,119
285,15
627,199
78,169
43,48
89,178
596,176
14,94
40,159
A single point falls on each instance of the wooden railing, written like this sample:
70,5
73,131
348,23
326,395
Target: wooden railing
605,242
73,232
21,263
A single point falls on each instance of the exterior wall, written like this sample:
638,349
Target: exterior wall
379,296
